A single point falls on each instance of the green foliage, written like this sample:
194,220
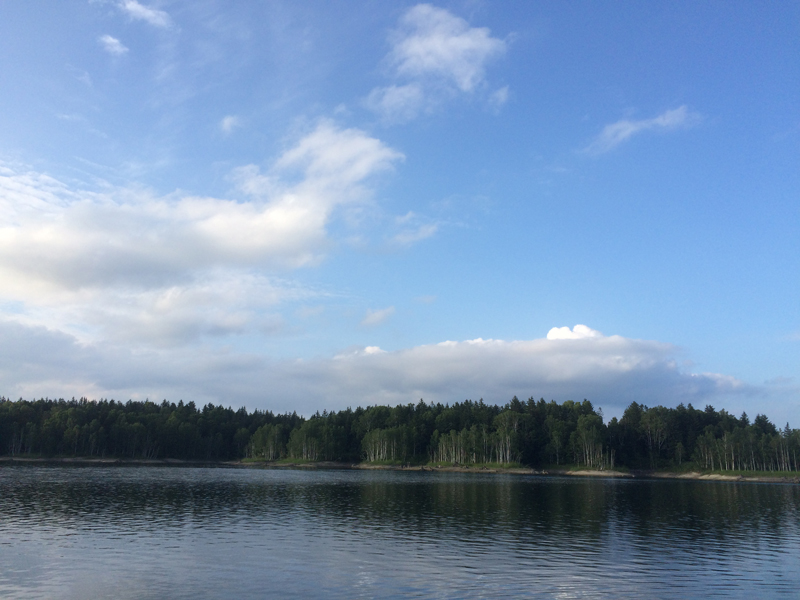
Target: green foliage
141,430
534,433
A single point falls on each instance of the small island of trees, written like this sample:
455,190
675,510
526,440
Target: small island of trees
534,433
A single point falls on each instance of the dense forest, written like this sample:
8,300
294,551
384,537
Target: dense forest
534,433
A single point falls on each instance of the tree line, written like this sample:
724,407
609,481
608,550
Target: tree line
533,432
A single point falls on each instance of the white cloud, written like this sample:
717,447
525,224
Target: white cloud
112,45
413,229
616,133
416,234
336,161
222,303
376,317
433,41
399,103
579,332
437,54
153,16
499,97
611,371
229,123
177,266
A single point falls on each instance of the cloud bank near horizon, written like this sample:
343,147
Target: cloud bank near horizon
611,371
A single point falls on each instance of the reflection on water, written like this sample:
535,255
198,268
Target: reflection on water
143,532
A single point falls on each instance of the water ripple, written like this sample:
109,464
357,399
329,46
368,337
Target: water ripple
206,533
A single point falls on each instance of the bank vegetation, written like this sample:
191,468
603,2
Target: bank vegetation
534,433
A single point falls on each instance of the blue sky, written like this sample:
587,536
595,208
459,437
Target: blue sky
300,206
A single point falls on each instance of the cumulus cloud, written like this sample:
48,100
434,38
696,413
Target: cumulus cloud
611,371
616,133
579,332
436,54
154,258
376,317
112,45
140,12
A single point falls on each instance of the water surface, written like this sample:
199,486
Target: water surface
156,532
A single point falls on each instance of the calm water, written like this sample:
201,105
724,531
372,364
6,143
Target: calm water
138,532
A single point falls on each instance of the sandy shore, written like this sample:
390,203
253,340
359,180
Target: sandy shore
543,472
719,477
695,475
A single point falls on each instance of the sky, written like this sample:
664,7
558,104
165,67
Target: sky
309,206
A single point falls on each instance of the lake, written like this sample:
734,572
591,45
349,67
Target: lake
174,532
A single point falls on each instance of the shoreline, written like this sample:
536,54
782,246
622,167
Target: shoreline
175,462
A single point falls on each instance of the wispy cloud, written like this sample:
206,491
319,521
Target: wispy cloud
499,97
413,228
112,45
376,317
433,41
397,103
229,123
616,133
416,234
435,54
140,12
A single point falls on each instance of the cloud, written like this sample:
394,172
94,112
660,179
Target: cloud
579,332
400,103
178,266
229,123
207,305
408,237
139,12
112,45
499,97
436,54
413,229
611,371
616,133
376,317
432,41
336,160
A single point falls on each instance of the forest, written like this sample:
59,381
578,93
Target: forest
533,433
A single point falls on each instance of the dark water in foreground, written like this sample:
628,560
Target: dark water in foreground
140,532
